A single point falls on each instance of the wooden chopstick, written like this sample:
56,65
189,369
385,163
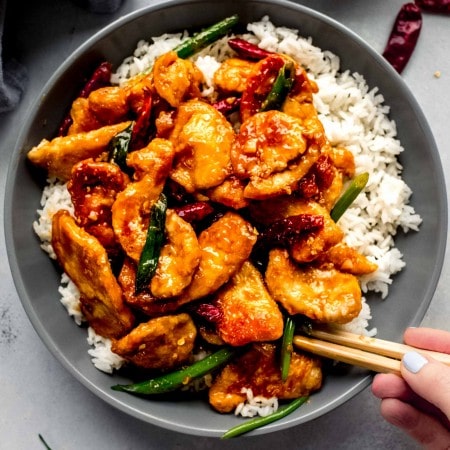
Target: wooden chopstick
374,354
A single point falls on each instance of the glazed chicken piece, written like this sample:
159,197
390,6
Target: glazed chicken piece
266,143
83,119
104,106
154,160
143,300
273,150
59,155
93,188
131,210
259,370
131,214
176,79
299,102
232,75
161,343
230,193
109,104
178,260
225,245
202,138
322,294
138,88
343,159
348,259
284,182
85,261
247,312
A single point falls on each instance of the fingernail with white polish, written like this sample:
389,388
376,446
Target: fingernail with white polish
413,361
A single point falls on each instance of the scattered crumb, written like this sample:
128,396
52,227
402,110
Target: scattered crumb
7,332
437,74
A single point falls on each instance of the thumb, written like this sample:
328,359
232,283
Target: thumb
429,378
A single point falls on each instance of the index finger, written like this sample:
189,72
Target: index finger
428,339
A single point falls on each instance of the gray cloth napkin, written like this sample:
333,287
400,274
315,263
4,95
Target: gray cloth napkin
13,75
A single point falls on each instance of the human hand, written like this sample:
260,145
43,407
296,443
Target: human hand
418,402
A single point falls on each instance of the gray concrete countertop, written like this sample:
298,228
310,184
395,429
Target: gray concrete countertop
38,396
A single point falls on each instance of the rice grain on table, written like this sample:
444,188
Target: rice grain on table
354,116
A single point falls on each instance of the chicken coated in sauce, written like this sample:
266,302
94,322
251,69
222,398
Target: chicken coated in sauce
59,155
83,119
233,74
179,258
86,262
266,143
93,188
323,294
160,343
247,311
131,209
230,193
202,138
284,182
175,79
347,259
109,104
143,301
258,369
225,246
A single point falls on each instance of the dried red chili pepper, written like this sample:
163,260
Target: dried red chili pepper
209,312
289,229
100,78
307,186
65,125
404,36
247,50
437,6
141,126
318,178
259,85
323,168
177,195
194,212
227,105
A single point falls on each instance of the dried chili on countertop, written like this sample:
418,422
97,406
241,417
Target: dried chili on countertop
404,36
437,6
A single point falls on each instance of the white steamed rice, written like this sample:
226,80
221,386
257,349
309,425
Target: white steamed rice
354,116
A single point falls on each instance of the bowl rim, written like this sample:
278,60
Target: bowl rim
8,207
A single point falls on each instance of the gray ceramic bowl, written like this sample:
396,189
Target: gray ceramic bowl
37,278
